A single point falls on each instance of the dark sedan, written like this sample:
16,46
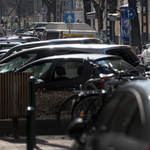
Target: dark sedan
52,42
71,70
20,39
31,54
19,59
123,121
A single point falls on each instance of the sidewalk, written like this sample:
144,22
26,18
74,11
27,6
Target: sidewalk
52,142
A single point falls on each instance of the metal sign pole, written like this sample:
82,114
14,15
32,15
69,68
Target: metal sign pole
69,33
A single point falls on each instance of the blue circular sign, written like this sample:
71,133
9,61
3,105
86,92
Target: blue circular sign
129,13
42,12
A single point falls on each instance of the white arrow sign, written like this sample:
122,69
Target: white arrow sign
69,18
129,14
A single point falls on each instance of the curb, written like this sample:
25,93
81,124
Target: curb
42,127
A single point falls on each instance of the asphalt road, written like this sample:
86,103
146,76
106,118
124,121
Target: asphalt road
52,142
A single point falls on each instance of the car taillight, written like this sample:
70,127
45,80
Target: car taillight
44,37
100,84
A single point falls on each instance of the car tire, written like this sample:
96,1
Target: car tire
64,116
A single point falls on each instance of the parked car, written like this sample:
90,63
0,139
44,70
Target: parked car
4,45
123,120
145,55
39,52
33,26
52,42
71,70
22,39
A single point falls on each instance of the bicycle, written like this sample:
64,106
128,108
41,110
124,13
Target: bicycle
86,102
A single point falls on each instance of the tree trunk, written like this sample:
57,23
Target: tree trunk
51,6
48,17
87,8
135,32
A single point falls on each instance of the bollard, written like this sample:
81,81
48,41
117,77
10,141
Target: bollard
32,91
32,104
30,127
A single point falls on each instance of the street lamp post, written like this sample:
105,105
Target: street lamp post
72,5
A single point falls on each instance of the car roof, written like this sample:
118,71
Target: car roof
87,56
82,46
39,23
9,43
53,40
17,38
70,47
40,28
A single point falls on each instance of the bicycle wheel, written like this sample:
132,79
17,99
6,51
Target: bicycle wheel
87,106
65,112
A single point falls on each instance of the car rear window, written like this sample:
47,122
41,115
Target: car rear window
33,40
115,64
52,35
92,41
126,53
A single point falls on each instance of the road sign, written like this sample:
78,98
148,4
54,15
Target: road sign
69,26
69,18
79,5
42,12
38,14
129,13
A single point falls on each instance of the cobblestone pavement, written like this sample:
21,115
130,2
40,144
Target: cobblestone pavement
52,142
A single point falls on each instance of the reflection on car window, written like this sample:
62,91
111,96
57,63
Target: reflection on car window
117,64
68,70
16,63
32,26
121,114
104,38
39,71
18,50
127,54
92,41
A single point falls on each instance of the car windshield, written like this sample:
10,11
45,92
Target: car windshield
16,63
116,64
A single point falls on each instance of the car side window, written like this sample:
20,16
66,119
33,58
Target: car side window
68,70
39,71
121,114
